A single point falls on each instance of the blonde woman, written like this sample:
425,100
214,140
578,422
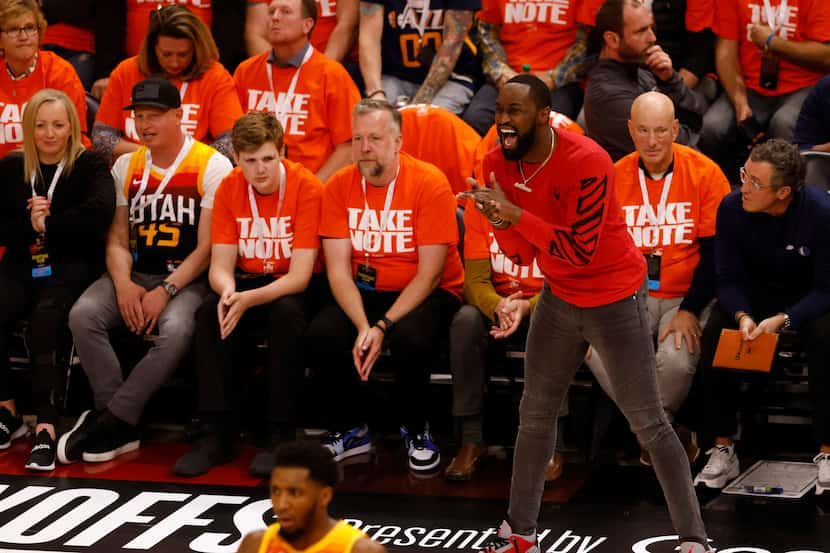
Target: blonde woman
25,69
178,47
56,203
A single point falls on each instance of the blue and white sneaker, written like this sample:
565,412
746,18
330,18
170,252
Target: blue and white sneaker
424,455
353,442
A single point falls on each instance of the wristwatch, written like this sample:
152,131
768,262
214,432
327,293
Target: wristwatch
170,288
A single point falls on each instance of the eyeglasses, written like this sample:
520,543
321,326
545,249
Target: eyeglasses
17,32
753,181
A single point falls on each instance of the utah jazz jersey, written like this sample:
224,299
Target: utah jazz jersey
164,227
340,539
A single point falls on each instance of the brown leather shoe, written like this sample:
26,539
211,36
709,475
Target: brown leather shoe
555,467
688,440
464,463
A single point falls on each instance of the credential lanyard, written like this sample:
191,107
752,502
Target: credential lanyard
782,15
278,112
52,185
280,198
655,218
145,178
387,205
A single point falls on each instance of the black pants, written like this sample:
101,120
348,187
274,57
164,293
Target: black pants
46,303
414,342
721,386
284,320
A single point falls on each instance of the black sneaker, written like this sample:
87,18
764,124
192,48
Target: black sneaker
11,428
110,438
208,451
71,444
42,456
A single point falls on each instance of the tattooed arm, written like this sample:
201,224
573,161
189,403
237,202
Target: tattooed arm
369,36
572,68
494,57
457,23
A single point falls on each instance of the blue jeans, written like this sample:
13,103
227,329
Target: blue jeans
452,96
556,344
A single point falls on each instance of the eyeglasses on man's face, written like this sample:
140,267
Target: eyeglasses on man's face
25,30
756,184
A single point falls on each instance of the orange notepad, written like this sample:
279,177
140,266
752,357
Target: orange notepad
734,353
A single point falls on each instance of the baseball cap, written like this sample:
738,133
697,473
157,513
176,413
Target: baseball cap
155,92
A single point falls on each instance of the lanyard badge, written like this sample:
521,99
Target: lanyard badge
41,266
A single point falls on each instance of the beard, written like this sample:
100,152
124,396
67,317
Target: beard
373,170
524,142
630,55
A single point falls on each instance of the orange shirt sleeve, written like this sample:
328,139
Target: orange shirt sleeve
475,234
699,14
224,229
814,18
726,23
334,221
111,112
225,108
587,12
435,222
341,97
309,205
490,12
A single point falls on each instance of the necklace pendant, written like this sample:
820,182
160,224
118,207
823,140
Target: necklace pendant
522,186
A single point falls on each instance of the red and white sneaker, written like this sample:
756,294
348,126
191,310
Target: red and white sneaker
694,547
508,542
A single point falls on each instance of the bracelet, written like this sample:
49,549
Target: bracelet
387,322
375,92
499,223
768,41
382,330
738,319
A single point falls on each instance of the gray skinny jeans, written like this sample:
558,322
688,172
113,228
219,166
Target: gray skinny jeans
96,312
556,345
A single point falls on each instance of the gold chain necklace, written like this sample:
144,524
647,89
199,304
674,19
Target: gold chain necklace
523,185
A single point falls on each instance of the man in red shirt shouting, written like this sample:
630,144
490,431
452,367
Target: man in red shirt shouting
553,198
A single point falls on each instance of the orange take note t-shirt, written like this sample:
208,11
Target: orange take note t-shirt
438,136
265,245
316,117
696,190
210,104
421,213
532,32
803,20
138,18
51,71
508,277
